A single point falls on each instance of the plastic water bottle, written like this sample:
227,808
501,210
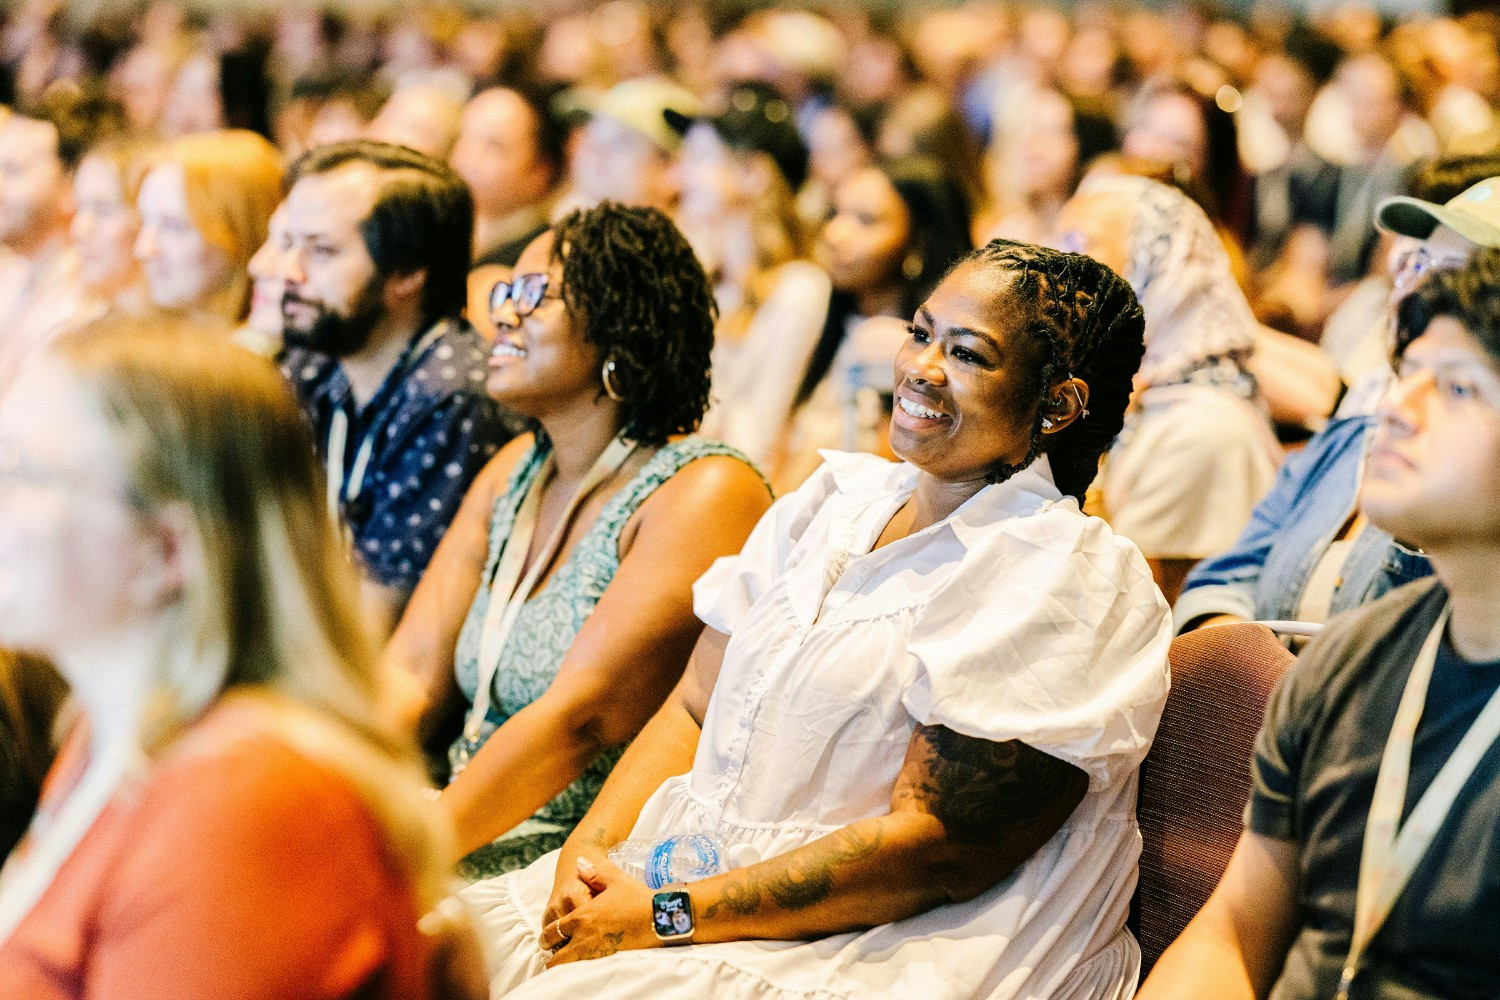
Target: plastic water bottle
866,406
683,858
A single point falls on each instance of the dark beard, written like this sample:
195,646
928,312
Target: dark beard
339,334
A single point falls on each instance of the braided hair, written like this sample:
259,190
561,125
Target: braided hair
645,304
1088,324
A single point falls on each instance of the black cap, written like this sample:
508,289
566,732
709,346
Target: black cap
755,119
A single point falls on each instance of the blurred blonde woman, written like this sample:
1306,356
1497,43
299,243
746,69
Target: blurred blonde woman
205,207
106,224
226,819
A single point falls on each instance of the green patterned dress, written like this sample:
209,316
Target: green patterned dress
543,631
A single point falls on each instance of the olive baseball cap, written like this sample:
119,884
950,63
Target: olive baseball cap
1474,215
639,104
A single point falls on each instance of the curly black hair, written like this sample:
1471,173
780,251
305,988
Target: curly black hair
1469,294
1089,326
645,303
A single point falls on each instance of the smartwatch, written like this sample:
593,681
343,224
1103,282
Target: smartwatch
672,917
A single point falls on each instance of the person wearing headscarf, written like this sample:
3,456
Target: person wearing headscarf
1197,450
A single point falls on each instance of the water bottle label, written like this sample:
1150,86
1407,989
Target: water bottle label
659,865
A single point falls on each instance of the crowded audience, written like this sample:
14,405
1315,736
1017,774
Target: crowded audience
439,443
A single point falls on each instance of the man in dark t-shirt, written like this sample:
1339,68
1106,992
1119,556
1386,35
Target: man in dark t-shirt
1282,922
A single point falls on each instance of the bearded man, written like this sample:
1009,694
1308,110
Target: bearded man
373,261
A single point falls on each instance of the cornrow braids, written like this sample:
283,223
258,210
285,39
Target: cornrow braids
645,304
1089,326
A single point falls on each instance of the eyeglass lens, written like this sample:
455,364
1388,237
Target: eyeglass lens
525,292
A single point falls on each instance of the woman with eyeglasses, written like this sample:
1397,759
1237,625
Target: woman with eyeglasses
557,612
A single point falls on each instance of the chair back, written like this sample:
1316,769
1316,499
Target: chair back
1196,780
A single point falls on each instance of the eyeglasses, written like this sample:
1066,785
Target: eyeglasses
1421,262
525,293
21,478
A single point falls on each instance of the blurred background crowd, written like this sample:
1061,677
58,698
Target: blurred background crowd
1261,116
744,206
1286,127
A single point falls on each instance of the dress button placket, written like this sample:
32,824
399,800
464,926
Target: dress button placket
739,748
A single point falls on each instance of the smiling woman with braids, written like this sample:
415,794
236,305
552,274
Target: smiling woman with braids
558,610
922,698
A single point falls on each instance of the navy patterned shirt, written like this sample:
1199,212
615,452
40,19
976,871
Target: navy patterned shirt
431,429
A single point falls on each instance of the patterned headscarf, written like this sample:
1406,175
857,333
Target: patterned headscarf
1197,317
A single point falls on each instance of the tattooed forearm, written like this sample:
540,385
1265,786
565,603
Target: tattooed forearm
800,878
798,886
742,898
606,946
987,792
807,876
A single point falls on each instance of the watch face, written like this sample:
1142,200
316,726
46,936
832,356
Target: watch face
672,915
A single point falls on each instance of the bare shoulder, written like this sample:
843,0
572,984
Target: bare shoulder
492,479
709,484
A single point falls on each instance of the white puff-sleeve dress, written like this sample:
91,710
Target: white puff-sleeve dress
1016,618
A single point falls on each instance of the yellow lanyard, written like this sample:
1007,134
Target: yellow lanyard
509,592
1390,856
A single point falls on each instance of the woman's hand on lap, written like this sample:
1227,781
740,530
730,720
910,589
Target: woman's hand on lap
616,917
569,890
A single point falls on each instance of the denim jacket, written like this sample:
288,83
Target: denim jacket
1262,576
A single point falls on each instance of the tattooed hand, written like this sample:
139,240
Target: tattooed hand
616,918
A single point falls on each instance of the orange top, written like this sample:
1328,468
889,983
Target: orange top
238,870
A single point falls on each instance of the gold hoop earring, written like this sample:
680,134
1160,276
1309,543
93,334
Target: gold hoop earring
609,377
911,267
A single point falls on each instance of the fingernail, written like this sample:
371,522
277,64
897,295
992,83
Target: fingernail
585,866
